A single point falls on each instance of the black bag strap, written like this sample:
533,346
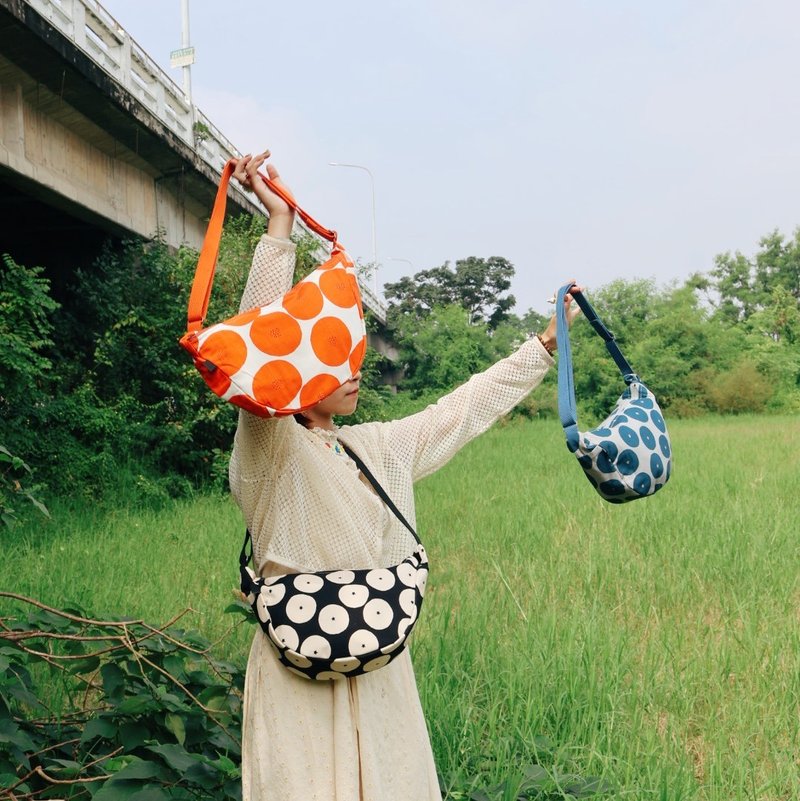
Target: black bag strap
245,579
567,409
245,557
381,491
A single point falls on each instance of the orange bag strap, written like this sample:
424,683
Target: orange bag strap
207,263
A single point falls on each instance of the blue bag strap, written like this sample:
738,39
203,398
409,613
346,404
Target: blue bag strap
567,410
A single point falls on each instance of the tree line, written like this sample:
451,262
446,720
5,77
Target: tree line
723,342
95,393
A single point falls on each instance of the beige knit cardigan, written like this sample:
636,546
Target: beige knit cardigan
362,738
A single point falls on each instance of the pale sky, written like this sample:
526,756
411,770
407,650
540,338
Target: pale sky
588,140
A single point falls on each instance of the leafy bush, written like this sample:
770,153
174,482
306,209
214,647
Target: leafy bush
14,486
119,709
125,397
740,390
112,710
25,331
543,402
443,349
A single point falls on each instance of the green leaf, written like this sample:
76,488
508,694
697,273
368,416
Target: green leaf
117,763
536,777
215,697
238,608
38,504
113,680
175,756
170,701
226,765
151,793
49,621
138,769
25,696
98,727
136,704
133,733
8,779
175,724
82,666
118,791
204,775
65,768
174,665
11,733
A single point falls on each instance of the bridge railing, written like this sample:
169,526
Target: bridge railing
92,29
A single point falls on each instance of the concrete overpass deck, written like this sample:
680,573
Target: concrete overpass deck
97,140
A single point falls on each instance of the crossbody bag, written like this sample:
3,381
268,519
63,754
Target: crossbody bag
333,624
629,455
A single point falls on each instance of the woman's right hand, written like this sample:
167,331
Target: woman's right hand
281,214
548,336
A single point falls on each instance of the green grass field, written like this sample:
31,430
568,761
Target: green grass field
654,645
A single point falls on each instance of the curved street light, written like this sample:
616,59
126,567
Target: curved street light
374,241
397,258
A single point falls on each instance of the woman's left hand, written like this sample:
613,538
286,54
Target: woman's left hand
281,214
548,336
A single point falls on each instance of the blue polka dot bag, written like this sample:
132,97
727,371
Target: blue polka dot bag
629,455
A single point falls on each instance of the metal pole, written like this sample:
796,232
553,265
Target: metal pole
374,238
187,70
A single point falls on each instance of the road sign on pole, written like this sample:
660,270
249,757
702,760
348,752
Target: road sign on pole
181,58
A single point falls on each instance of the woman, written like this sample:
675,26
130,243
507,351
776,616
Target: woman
363,738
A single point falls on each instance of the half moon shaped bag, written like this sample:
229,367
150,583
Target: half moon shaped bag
629,455
285,357
335,624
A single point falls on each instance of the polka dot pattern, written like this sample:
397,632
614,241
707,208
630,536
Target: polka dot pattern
284,358
233,353
628,456
331,341
276,333
341,622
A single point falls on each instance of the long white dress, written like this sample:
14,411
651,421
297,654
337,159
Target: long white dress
361,738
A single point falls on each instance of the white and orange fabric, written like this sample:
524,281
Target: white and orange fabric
285,357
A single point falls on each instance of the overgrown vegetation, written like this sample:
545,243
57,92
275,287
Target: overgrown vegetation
146,712
96,395
94,390
725,343
140,711
653,645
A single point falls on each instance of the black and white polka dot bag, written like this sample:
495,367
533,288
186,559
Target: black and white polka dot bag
335,624
629,455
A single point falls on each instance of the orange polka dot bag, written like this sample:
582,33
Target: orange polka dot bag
285,357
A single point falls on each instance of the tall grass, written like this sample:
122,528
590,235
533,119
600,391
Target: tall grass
655,644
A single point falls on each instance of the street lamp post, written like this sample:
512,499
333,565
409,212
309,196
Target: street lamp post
184,58
187,69
374,240
397,258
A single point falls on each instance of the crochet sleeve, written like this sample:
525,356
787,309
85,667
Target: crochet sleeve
257,438
270,273
429,439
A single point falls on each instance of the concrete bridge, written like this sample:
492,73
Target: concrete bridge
96,140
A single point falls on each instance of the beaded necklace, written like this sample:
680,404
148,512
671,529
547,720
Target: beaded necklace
336,448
